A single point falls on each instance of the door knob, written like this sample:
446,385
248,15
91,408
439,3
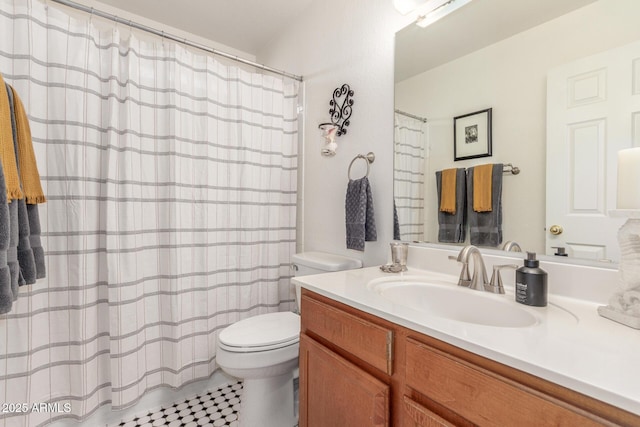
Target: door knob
555,230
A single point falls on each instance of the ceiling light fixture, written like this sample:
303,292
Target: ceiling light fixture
437,10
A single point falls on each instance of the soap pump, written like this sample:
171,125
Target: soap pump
531,283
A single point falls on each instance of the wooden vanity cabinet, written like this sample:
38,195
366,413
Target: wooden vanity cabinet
360,370
346,362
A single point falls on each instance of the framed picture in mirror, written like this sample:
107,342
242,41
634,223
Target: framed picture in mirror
472,135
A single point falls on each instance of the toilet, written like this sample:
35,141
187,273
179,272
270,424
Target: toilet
263,351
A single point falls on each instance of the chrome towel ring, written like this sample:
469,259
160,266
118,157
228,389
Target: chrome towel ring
369,157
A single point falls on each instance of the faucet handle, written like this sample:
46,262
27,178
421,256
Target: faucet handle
495,285
465,276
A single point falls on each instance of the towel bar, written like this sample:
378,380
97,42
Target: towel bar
369,157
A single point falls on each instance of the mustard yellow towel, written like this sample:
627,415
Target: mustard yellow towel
448,196
482,188
7,153
29,176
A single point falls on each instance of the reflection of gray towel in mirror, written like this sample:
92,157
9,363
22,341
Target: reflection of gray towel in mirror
359,216
6,291
485,228
451,227
396,222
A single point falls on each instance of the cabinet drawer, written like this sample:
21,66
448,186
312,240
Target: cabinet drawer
482,397
367,341
416,415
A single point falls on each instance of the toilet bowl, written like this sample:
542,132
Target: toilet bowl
263,351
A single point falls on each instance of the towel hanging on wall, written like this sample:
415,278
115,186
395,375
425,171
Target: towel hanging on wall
21,188
7,292
7,149
27,166
359,216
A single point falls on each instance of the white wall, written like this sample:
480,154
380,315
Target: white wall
152,24
510,77
337,42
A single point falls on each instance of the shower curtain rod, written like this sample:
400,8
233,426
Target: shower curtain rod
413,116
174,38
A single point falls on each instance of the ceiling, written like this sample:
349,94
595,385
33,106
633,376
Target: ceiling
246,25
470,28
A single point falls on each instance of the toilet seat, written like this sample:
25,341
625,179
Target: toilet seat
261,333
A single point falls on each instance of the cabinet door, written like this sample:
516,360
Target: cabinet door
335,392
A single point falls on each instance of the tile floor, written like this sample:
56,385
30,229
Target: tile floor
214,408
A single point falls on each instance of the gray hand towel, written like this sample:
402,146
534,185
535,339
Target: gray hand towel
485,228
12,252
396,222
26,259
452,227
25,253
34,239
6,291
359,215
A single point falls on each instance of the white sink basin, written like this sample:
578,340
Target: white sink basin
441,297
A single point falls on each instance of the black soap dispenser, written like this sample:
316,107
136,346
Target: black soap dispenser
531,283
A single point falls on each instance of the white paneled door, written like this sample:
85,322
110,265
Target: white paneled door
593,111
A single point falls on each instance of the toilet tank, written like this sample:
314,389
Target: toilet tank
307,263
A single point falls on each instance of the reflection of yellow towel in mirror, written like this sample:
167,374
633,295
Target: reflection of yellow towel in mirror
448,196
482,188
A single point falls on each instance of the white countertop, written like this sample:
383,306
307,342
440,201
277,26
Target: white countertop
581,351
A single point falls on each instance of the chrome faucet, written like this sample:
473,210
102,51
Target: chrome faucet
479,280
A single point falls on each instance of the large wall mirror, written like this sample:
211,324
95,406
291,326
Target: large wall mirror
554,74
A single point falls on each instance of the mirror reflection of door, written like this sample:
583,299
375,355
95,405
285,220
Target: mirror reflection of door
593,111
410,152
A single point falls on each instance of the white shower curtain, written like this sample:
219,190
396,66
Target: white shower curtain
171,187
410,150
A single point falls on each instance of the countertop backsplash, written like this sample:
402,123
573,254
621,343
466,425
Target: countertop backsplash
574,280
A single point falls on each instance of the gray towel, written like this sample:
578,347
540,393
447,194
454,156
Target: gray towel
34,239
12,252
25,253
396,222
485,228
360,221
6,291
452,227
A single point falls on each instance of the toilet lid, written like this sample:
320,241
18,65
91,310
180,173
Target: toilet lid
266,330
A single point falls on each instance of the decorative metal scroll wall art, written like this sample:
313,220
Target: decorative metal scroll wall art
341,109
